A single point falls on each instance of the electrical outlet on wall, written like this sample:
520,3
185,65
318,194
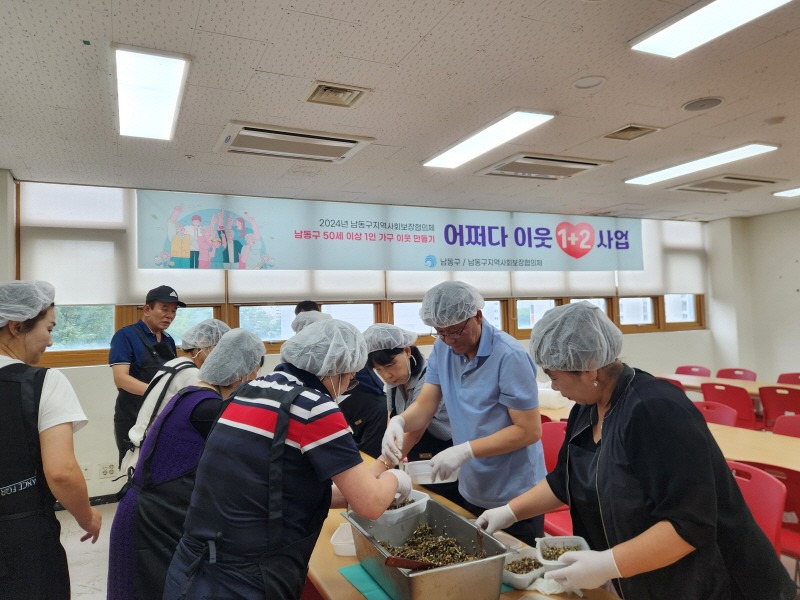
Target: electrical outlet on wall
107,470
87,471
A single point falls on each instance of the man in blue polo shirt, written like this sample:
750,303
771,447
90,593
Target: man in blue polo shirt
137,353
488,383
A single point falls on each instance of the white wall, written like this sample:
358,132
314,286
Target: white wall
8,202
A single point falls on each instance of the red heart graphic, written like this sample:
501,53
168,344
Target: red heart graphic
575,240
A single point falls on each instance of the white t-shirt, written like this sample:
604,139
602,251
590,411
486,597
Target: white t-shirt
58,403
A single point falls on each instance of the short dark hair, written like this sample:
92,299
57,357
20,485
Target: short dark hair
305,306
29,324
385,357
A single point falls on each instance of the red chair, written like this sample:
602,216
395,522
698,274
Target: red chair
745,374
778,401
735,397
790,546
693,370
793,378
545,419
674,382
559,521
787,425
765,497
714,412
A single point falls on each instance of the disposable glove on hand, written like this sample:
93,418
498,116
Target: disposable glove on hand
496,518
587,569
447,461
403,484
392,444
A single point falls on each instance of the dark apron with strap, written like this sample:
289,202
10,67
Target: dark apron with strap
127,407
161,507
29,530
283,568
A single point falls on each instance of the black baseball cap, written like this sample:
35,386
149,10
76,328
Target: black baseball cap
164,293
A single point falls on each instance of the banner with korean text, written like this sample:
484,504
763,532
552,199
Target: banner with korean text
201,231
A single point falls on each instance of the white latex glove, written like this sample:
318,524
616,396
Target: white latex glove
587,569
447,461
496,518
403,484
392,444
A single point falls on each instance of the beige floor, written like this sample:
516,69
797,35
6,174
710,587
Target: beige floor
88,563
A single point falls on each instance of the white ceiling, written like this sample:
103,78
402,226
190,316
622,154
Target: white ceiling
439,69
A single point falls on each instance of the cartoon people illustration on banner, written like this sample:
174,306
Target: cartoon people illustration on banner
212,239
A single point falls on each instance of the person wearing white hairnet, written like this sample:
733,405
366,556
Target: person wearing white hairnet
307,317
149,520
173,376
647,485
263,485
37,461
400,364
488,383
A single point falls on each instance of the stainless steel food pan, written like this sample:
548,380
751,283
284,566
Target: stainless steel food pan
479,579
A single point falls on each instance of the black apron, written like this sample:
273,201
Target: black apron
283,569
33,564
127,407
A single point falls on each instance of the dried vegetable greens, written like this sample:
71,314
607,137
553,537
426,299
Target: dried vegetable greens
424,545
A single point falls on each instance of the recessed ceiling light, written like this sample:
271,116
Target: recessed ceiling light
488,138
703,103
587,83
149,90
694,27
788,193
708,162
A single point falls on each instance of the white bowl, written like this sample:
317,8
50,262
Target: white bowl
342,540
558,541
521,582
394,515
421,474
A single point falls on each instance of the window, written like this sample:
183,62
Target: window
83,327
406,315
636,311
530,311
360,315
493,312
270,323
598,302
680,308
187,318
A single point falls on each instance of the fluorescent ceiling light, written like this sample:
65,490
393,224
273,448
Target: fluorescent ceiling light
674,38
149,90
489,138
788,193
703,163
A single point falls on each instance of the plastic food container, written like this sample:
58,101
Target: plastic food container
521,581
420,473
394,515
342,540
559,541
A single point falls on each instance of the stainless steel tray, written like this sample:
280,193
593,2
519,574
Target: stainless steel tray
478,579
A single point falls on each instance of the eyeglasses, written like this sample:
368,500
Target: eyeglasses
261,362
352,385
454,335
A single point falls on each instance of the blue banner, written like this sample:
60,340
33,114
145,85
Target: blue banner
185,231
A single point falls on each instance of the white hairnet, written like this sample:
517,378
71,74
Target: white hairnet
304,319
205,334
449,303
329,347
383,336
237,353
23,300
575,337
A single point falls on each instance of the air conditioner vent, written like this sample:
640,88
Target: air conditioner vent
725,184
631,132
281,142
540,166
334,94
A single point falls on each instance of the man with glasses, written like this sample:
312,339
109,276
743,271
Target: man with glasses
488,383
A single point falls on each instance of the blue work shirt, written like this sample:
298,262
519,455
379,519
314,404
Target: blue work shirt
127,348
478,394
